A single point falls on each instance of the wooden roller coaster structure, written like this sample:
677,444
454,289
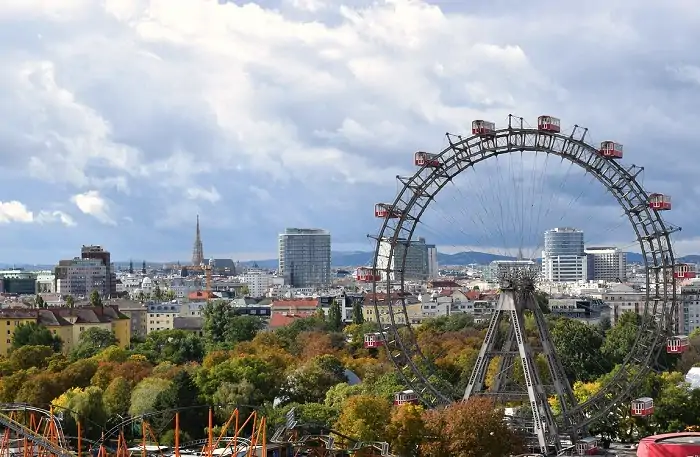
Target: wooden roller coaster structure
26,431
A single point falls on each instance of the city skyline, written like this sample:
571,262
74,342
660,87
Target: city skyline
125,120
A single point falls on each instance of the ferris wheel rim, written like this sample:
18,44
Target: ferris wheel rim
420,190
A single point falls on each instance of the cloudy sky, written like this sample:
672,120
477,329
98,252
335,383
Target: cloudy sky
123,119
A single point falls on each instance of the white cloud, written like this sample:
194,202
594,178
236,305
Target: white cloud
93,204
197,193
15,211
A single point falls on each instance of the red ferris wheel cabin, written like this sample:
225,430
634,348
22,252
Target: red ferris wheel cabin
684,271
424,159
483,128
611,150
549,124
677,344
373,340
366,274
386,211
404,397
643,407
660,202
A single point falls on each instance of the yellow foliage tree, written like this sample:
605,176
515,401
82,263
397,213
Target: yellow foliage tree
364,417
406,429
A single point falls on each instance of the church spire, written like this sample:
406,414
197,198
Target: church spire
197,250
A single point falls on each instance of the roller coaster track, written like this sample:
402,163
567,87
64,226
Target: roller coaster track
11,424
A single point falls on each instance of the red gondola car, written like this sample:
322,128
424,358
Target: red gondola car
611,150
587,446
677,344
684,271
373,340
643,407
404,397
424,159
659,202
549,124
385,210
483,128
365,274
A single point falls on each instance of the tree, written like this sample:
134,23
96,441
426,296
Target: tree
620,339
335,318
92,341
157,293
144,395
223,327
117,397
406,430
70,301
33,334
474,428
27,357
39,301
176,346
84,405
579,348
95,299
364,417
357,316
182,393
169,295
310,382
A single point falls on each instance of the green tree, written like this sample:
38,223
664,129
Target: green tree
117,397
70,301
92,341
579,348
33,334
230,395
222,327
84,405
335,318
620,339
39,301
357,316
95,299
157,293
144,395
169,295
182,393
27,357
311,381
176,346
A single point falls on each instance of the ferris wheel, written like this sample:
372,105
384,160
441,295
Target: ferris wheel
404,218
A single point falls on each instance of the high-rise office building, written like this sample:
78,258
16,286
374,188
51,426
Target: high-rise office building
564,258
606,264
433,267
305,257
417,255
104,257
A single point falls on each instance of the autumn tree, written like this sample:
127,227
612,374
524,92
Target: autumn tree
84,405
143,397
474,428
406,430
26,357
117,397
33,334
364,417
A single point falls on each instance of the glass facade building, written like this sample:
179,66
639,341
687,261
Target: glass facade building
305,257
564,258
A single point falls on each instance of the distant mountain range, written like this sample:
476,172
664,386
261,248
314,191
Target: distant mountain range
359,258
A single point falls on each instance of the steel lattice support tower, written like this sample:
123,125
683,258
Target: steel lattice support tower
517,296
197,250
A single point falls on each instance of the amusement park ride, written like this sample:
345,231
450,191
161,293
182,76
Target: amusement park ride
505,338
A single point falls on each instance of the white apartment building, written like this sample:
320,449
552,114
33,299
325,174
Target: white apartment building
606,264
258,282
563,258
82,276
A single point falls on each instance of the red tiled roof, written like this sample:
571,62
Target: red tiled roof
444,284
282,320
473,294
200,295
